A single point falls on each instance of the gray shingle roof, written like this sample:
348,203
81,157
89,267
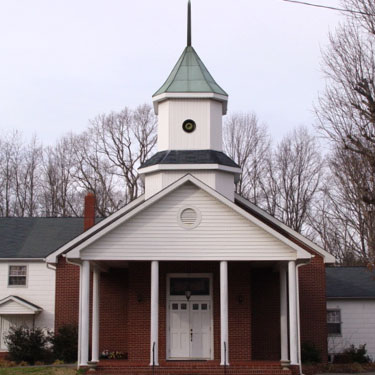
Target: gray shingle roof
190,157
36,237
350,282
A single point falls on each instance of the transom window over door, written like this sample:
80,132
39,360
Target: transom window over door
17,276
197,286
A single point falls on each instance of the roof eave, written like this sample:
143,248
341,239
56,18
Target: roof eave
223,99
328,258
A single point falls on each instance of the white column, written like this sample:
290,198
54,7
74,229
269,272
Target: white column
224,313
292,312
154,313
85,311
95,315
283,314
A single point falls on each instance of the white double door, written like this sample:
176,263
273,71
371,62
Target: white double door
190,329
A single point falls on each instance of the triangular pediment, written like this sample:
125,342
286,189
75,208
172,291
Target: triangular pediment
156,231
16,305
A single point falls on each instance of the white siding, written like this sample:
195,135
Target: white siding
12,307
40,290
155,234
358,325
222,182
206,113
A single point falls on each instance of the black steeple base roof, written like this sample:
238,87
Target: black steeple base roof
190,157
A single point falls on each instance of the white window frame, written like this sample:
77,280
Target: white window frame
26,276
340,322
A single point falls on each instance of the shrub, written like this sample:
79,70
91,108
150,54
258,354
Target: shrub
27,345
309,353
353,354
65,343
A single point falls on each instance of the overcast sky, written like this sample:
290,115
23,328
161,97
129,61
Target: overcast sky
64,62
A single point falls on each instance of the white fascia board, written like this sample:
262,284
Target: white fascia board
328,258
188,167
33,309
300,252
52,258
190,95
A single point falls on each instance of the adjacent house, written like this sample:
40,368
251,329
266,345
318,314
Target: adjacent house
27,284
350,309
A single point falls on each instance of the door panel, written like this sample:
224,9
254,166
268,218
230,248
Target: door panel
190,329
179,329
200,321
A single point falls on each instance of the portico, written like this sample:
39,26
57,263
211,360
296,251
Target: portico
187,326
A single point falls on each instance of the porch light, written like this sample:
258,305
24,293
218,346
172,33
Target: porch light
188,294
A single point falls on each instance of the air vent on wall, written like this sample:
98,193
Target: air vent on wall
189,217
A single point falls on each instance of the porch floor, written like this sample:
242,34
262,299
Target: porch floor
124,367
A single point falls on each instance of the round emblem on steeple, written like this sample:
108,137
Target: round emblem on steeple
189,126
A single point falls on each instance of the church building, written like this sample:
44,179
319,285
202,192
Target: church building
191,278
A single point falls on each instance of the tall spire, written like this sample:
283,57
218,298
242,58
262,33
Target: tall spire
189,25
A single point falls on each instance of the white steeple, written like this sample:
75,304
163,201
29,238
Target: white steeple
190,106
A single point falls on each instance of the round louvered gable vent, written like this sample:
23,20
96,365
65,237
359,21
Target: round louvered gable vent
189,218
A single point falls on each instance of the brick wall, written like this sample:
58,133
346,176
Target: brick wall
67,293
240,311
266,314
312,281
114,310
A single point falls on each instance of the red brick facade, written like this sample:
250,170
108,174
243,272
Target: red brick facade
254,307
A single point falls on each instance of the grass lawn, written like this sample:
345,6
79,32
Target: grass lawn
37,371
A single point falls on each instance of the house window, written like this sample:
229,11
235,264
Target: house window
334,322
17,275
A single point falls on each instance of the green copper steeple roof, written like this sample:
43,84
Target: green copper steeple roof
190,75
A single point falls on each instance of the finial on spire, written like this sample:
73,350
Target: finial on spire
189,24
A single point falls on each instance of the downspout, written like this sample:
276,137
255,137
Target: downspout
299,319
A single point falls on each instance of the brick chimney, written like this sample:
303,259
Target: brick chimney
89,211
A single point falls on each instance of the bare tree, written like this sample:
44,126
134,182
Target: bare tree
126,139
93,172
19,165
343,220
248,144
7,151
59,197
346,115
293,181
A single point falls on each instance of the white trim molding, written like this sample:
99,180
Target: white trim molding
190,95
189,167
